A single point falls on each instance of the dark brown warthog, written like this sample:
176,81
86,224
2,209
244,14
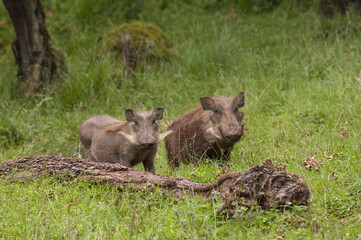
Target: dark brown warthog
106,139
210,130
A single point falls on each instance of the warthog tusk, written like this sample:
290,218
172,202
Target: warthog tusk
129,138
163,135
213,133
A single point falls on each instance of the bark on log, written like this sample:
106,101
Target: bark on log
35,53
260,185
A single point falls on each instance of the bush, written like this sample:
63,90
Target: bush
137,42
9,135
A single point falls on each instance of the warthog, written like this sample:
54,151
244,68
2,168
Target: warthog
106,139
210,130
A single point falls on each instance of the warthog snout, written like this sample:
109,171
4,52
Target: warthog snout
147,144
232,132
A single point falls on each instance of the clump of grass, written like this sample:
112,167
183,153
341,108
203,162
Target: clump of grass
137,41
248,6
9,134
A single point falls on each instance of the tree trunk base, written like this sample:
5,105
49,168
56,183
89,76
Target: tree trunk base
35,53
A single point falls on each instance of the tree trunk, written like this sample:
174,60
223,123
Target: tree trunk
33,48
260,185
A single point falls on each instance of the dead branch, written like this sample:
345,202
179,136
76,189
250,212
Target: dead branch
260,185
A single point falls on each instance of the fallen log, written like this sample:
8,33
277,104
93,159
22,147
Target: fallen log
260,185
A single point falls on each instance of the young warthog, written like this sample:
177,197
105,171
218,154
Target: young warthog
210,130
106,139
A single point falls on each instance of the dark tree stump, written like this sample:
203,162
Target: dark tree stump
260,185
33,48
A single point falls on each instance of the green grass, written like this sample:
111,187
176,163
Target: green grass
297,71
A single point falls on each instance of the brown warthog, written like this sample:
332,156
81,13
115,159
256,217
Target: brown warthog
106,139
210,130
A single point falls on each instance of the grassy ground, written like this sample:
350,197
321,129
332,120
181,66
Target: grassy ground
297,71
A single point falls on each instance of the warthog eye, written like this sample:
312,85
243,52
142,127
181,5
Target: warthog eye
153,121
135,122
236,109
216,110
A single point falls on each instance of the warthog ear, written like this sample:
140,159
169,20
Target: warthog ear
238,101
207,103
129,115
158,113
